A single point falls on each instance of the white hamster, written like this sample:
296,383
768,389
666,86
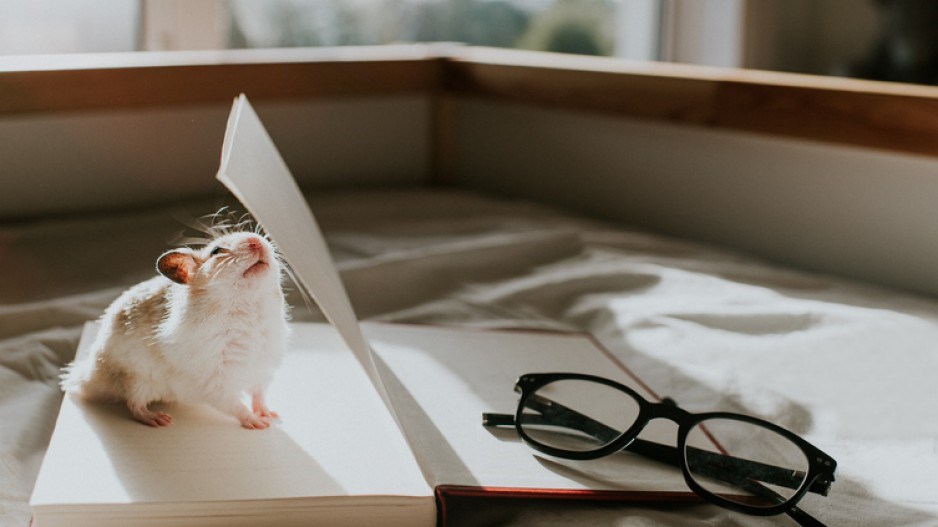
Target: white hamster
210,327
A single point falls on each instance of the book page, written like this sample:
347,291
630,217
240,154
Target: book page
253,170
436,382
334,439
443,379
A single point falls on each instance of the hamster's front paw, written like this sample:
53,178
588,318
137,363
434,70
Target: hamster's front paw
254,422
260,407
262,411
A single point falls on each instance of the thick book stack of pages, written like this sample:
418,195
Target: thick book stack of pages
378,421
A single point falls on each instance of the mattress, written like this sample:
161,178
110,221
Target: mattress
849,366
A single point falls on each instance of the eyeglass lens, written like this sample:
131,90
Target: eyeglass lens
735,459
753,466
600,415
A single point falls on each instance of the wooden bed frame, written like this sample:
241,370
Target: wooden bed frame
890,116
831,174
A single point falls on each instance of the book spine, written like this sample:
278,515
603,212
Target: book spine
452,497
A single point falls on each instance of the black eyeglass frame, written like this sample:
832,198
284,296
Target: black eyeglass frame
821,466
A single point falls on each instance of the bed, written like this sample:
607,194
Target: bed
845,363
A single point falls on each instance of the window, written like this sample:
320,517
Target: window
889,40
573,26
62,26
67,26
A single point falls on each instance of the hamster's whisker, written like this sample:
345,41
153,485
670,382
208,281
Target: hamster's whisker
193,240
245,221
299,287
223,262
201,225
222,265
222,228
216,222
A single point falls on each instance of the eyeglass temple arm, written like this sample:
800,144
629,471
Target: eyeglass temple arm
670,455
720,466
757,489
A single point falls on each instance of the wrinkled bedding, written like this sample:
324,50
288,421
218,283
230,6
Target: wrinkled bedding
849,366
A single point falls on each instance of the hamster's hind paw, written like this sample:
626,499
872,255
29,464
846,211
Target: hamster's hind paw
148,417
151,418
160,419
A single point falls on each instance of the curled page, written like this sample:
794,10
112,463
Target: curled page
253,170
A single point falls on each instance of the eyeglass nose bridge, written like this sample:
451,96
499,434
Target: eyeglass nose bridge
668,409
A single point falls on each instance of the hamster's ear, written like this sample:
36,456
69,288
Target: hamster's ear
178,265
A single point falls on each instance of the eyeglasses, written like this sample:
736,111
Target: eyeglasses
735,461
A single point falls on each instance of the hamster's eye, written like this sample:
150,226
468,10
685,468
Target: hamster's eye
218,250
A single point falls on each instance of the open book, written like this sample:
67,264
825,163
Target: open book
378,421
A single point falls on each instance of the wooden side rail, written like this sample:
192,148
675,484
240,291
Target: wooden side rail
889,116
895,117
51,84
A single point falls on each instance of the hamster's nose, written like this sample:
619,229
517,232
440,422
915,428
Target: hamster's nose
255,244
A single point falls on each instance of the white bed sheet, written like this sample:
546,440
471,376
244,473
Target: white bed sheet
849,366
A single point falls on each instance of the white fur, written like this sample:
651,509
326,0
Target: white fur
210,340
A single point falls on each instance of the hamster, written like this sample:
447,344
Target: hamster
209,328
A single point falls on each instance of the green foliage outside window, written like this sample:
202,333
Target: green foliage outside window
568,26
